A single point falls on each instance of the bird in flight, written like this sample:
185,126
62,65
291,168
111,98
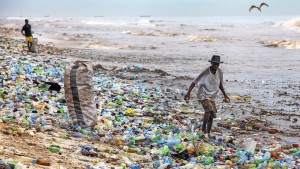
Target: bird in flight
259,8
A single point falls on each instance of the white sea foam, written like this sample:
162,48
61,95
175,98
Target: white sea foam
281,43
269,23
97,23
201,38
293,24
146,22
154,33
106,46
36,19
15,18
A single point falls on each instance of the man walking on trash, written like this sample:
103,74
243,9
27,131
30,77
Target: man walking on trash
210,80
28,35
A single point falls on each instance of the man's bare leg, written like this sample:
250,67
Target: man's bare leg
29,46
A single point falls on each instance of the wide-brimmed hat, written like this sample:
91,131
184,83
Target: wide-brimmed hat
215,59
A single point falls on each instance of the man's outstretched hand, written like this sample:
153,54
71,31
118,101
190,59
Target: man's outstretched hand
226,99
187,98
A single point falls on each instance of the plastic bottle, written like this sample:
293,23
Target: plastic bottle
156,164
167,160
267,156
120,102
263,165
19,166
290,162
53,149
257,162
135,166
231,146
243,155
241,162
1,82
123,165
27,160
207,161
173,142
76,134
297,154
166,150
95,136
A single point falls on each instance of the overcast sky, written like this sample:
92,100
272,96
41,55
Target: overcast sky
157,8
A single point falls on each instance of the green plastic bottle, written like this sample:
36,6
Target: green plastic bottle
257,162
200,151
120,102
117,118
166,150
179,147
53,149
207,161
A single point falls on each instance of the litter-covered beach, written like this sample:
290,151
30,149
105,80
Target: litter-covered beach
142,119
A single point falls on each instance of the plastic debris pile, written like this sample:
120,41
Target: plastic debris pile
143,126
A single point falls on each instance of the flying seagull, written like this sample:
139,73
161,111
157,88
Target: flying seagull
259,8
253,6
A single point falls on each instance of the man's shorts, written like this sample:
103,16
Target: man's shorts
28,39
209,108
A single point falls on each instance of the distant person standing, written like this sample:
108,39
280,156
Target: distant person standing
28,35
211,81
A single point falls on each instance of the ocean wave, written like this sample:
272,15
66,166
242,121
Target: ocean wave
201,38
160,25
281,43
293,24
145,21
108,47
210,29
269,23
96,23
15,18
148,21
99,45
152,23
183,25
34,19
155,33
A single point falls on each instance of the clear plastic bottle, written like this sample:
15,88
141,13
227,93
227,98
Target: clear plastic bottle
263,165
19,166
27,160
290,162
267,156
